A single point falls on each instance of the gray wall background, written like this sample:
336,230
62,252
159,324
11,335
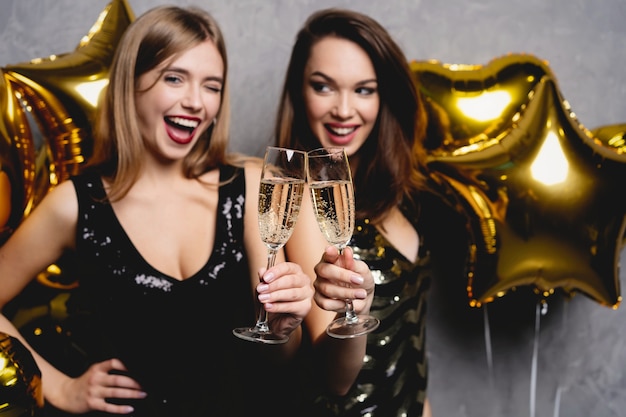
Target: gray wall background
575,363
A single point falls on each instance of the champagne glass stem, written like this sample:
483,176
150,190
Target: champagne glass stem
261,323
350,315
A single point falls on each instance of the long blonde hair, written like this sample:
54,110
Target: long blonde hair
155,36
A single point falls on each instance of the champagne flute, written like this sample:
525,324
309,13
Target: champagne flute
332,194
280,195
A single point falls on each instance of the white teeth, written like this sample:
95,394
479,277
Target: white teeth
342,130
192,124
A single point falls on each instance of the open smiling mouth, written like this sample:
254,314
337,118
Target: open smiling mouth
340,131
181,130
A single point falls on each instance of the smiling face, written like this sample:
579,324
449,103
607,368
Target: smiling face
177,101
340,93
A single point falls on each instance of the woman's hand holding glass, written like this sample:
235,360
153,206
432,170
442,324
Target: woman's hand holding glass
286,292
332,195
282,182
341,277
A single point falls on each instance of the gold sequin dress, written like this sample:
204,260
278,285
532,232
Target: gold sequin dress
393,379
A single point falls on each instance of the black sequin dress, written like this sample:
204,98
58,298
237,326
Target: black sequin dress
175,337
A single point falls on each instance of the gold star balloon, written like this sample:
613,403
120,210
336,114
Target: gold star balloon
48,107
536,187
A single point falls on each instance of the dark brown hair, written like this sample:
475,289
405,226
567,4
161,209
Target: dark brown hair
390,165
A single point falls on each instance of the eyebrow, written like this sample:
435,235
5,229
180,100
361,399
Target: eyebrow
186,72
330,79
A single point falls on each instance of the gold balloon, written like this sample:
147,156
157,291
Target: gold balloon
16,161
537,189
48,109
21,394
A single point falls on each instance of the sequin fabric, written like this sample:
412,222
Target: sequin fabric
393,380
175,337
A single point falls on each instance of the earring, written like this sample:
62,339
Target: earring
214,120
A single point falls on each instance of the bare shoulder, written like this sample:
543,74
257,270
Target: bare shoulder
252,167
61,202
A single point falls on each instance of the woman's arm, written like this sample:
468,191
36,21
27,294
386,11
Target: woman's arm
38,242
340,359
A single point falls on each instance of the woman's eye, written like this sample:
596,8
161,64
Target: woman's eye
365,91
214,88
320,87
173,79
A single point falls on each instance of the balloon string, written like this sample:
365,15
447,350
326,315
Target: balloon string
533,371
559,389
489,353
557,402
488,350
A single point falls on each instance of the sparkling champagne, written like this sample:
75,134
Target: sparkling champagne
333,203
279,206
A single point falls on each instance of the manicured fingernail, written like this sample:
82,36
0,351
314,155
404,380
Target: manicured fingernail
360,294
268,277
264,297
356,279
262,287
